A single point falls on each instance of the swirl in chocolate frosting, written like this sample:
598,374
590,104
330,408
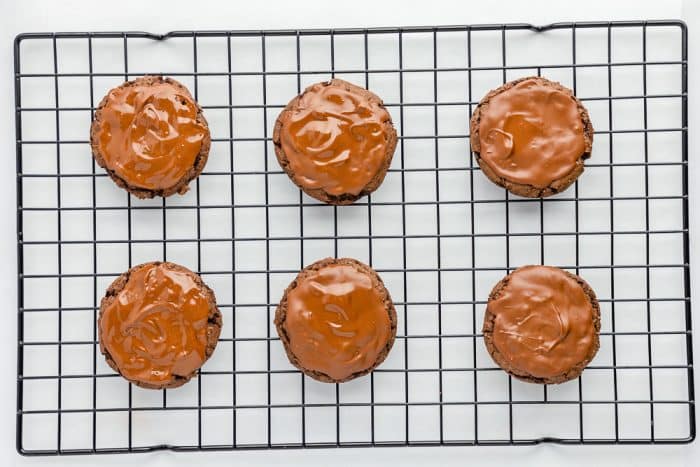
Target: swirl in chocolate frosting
337,322
149,134
335,139
157,325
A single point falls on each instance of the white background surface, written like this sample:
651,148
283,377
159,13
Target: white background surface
163,16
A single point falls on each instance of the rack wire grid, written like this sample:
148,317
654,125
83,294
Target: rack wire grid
439,233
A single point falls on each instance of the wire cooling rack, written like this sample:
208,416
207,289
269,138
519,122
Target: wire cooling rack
437,230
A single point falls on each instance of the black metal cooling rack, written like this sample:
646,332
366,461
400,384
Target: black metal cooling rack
75,232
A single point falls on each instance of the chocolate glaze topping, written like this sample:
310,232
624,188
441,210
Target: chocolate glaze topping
335,139
337,322
156,328
532,133
149,134
544,321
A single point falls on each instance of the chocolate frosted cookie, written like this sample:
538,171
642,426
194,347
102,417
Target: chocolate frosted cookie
150,136
335,141
336,320
531,137
158,324
542,324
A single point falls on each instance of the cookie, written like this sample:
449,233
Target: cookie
531,136
336,320
335,141
542,324
150,136
158,324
